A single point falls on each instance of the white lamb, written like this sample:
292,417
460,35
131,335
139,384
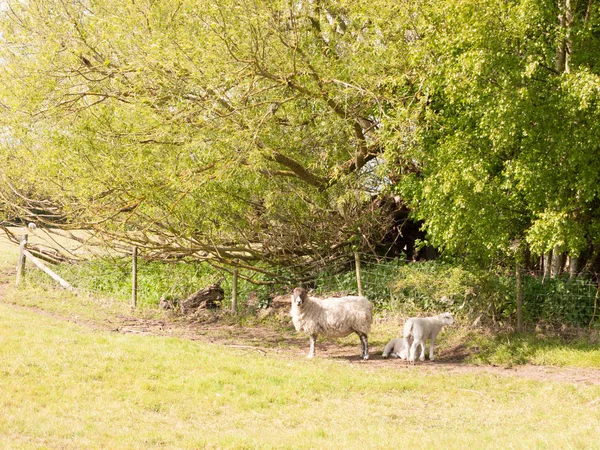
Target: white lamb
395,349
419,329
332,317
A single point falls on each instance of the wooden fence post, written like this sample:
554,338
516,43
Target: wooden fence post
234,290
22,259
358,280
134,286
519,298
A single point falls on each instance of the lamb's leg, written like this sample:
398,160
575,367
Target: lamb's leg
431,341
365,346
405,350
413,350
313,340
422,357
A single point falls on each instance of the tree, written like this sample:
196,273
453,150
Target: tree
507,141
235,131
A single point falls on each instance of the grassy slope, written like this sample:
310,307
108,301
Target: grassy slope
64,386
67,386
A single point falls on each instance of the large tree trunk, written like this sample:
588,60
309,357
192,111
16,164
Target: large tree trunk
563,50
573,266
546,265
558,261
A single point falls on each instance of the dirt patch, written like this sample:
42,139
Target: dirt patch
286,342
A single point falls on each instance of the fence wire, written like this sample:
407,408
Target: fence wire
431,287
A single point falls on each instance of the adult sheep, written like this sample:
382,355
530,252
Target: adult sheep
332,317
419,329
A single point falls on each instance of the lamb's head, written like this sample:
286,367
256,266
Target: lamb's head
299,296
446,318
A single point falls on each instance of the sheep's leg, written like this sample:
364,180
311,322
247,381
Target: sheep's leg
365,346
413,350
433,335
313,340
422,357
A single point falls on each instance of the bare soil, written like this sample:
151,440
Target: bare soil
286,343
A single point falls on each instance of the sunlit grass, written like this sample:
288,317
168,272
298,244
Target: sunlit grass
72,387
64,386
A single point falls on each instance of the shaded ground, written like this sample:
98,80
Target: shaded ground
287,343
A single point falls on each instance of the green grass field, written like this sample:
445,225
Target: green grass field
70,386
66,386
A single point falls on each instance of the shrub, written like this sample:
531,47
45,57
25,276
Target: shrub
437,286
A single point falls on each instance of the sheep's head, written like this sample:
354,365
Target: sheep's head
447,318
298,296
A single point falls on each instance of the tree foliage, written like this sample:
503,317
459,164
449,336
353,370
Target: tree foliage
507,144
247,131
235,130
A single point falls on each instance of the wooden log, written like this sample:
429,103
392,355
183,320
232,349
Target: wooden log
45,256
22,259
209,297
44,268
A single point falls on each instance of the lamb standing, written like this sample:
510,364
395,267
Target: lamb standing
422,328
332,317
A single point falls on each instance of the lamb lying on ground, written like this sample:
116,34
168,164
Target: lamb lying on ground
395,349
419,329
332,317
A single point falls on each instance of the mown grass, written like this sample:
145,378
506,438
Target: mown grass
64,386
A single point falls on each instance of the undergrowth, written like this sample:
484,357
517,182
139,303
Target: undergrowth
155,279
394,286
398,291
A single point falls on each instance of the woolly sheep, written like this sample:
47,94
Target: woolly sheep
332,317
395,349
422,328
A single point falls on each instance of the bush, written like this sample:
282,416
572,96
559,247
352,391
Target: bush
173,280
394,285
376,278
559,300
435,286
155,279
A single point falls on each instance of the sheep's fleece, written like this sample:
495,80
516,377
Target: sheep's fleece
419,329
332,317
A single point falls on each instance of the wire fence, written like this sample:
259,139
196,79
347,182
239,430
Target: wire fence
393,284
409,287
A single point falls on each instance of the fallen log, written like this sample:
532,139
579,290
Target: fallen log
207,298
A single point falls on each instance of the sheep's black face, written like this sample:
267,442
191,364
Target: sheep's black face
298,296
